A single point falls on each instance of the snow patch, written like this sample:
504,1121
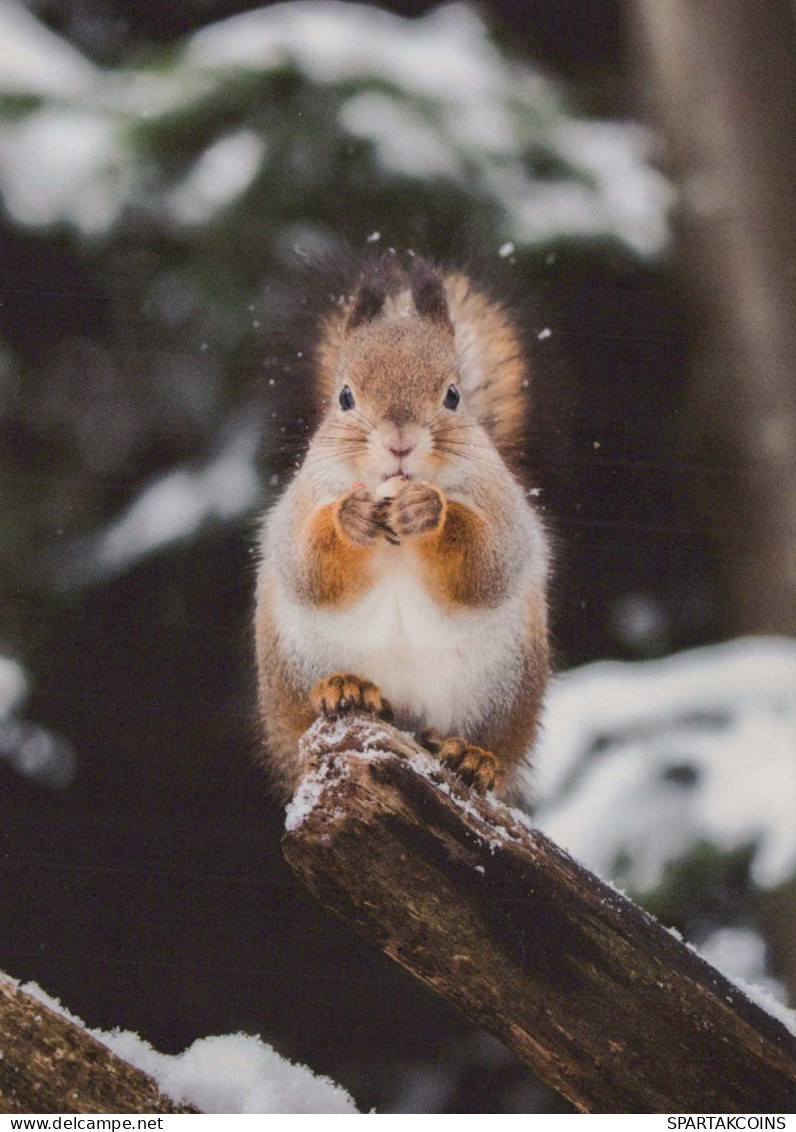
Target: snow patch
443,55
334,733
27,748
741,955
222,173
433,95
643,761
63,164
173,508
13,685
36,753
405,142
36,61
461,110
762,997
306,798
234,1073
633,197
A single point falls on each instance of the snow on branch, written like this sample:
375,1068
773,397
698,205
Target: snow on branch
600,1000
50,1063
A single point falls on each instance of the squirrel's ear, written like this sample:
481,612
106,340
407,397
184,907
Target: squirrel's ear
372,291
428,292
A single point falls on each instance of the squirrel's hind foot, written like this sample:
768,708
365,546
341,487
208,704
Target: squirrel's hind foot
474,765
341,692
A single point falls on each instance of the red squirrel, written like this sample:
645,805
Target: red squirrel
403,571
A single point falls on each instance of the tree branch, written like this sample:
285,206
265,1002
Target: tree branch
50,1064
601,1001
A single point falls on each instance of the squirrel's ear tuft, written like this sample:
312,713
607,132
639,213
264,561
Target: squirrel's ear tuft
428,292
372,291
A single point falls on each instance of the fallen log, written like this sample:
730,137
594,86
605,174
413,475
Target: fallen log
603,1003
50,1064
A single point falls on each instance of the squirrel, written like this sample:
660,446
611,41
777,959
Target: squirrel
403,570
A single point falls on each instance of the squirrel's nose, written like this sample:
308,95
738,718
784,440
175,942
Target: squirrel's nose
399,453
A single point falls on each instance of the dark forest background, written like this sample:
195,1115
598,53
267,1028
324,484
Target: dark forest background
154,346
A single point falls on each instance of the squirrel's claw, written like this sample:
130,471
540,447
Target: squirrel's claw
474,765
341,692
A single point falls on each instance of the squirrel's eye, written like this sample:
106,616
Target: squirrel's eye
346,399
451,397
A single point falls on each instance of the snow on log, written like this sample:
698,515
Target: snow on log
594,995
49,1063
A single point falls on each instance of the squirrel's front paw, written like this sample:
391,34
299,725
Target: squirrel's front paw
342,692
418,508
473,765
362,518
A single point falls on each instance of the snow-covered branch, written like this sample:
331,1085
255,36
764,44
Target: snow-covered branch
601,1001
50,1063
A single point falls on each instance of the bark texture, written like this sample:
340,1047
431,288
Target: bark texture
602,1002
49,1064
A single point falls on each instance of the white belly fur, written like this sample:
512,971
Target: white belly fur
441,669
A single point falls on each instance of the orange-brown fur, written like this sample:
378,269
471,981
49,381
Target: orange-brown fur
285,711
501,400
513,737
459,564
406,498
334,568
